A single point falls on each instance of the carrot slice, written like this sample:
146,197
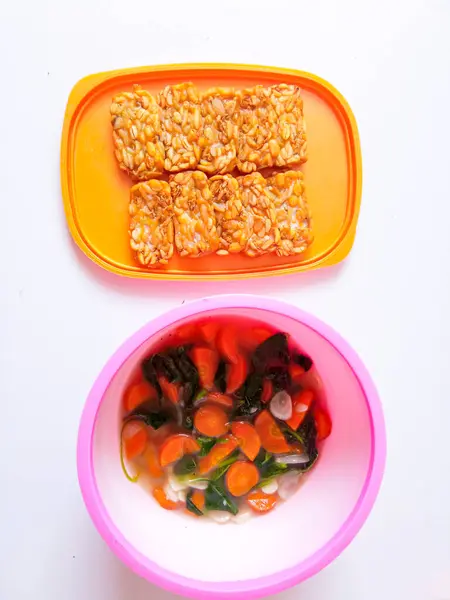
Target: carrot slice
152,462
304,397
175,447
208,332
198,498
270,434
206,360
247,437
223,448
227,344
171,391
323,423
211,420
296,373
236,374
241,477
267,391
137,394
134,439
221,399
160,496
261,502
254,337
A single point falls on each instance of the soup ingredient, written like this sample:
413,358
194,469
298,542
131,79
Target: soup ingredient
267,391
152,461
195,502
160,496
139,393
206,361
247,437
292,459
323,423
227,344
261,502
175,447
270,434
222,399
170,391
301,404
241,477
216,498
211,420
221,450
186,465
237,374
281,406
134,438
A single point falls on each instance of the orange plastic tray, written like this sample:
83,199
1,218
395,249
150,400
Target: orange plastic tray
96,192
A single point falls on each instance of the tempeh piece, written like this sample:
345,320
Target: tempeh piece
293,217
262,218
135,117
181,125
271,127
195,222
219,107
151,225
234,221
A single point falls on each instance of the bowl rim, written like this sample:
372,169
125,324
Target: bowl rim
247,588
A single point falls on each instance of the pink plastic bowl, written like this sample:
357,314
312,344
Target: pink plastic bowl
197,557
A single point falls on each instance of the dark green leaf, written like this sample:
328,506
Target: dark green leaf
306,435
146,412
272,352
185,466
303,360
216,498
249,396
223,467
220,379
206,444
191,506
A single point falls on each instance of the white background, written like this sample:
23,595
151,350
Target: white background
61,317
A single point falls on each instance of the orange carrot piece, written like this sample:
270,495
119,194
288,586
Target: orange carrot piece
304,397
261,502
223,448
227,344
296,373
270,434
254,337
185,334
152,462
160,496
267,391
323,423
138,393
247,437
221,399
198,498
208,332
134,439
236,374
175,447
211,420
171,391
241,477
206,360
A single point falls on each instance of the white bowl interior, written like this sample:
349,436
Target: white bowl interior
296,529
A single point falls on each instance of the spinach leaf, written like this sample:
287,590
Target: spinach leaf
249,396
220,379
185,466
223,467
206,444
191,506
272,352
303,360
146,412
216,498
